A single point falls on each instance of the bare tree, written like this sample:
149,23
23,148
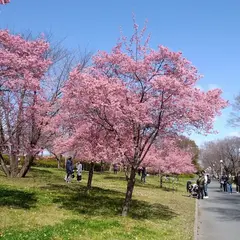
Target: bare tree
226,150
234,119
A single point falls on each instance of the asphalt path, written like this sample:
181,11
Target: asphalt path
219,215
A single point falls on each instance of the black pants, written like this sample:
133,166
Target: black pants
237,188
143,178
79,177
225,187
200,192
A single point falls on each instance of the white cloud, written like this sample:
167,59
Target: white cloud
234,134
199,87
209,86
212,86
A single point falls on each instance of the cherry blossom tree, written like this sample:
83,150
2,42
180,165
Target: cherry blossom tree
175,160
191,147
137,94
90,141
167,157
38,68
22,102
4,1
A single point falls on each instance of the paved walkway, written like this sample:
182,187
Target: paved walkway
219,215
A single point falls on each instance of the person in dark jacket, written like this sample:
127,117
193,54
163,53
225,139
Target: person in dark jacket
115,168
69,170
221,183
144,174
225,180
237,183
200,183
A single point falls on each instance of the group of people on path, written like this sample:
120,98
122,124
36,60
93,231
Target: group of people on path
202,185
70,170
200,188
226,182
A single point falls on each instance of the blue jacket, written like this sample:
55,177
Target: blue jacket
69,166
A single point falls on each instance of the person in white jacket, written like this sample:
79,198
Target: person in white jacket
79,171
205,184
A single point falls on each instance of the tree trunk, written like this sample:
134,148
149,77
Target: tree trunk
126,171
90,175
58,163
26,166
13,165
128,196
4,166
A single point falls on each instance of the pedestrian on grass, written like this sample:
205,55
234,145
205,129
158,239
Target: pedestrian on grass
79,171
69,170
144,174
139,171
115,168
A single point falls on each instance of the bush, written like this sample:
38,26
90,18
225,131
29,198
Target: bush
98,167
49,162
7,161
187,175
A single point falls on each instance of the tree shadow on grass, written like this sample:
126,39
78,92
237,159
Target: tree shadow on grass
17,198
146,185
116,177
105,202
45,174
40,171
138,182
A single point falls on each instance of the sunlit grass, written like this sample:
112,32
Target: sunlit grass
43,206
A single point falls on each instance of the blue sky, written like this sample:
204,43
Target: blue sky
207,32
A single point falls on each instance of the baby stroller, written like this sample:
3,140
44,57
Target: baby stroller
192,189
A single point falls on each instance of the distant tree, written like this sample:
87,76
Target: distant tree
191,147
227,150
234,119
171,158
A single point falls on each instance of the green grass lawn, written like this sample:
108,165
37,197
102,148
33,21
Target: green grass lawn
42,206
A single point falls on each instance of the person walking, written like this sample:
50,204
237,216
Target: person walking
222,183
225,179
144,174
200,183
69,170
206,182
115,168
79,171
229,183
237,181
139,171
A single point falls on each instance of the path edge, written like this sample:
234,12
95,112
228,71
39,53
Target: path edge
196,221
